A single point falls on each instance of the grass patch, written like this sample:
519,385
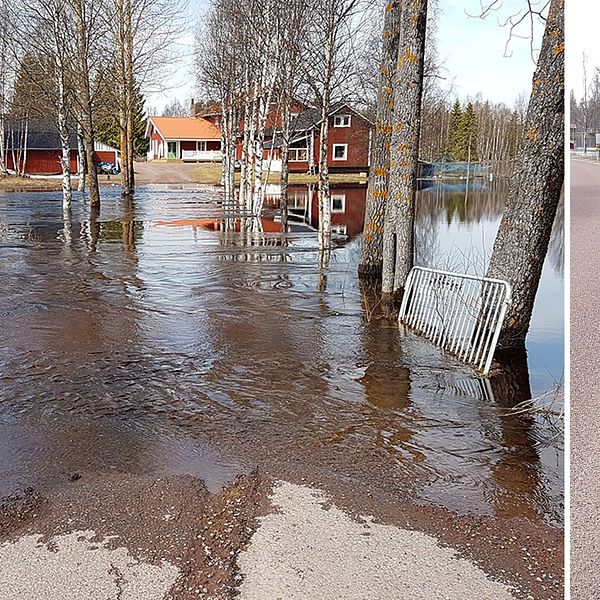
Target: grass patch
211,175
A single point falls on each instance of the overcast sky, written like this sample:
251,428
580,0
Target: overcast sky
473,51
582,23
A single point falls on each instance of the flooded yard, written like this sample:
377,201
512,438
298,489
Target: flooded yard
146,340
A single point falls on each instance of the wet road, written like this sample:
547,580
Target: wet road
585,350
140,341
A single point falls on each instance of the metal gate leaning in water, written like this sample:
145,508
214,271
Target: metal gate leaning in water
462,314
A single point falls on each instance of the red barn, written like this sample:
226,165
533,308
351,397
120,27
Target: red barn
41,152
183,138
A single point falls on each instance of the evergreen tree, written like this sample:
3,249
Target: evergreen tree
34,91
107,125
468,134
454,133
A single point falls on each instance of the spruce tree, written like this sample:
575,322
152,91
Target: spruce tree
469,134
454,133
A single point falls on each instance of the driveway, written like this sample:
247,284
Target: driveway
166,172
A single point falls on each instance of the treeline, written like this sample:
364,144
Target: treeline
585,111
80,64
478,130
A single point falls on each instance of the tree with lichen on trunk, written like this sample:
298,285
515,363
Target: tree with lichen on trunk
398,235
377,192
522,241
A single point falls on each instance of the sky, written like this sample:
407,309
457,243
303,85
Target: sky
582,21
473,52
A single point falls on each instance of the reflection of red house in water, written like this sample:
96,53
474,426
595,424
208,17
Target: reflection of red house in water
347,207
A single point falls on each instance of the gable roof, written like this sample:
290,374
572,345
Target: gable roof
42,134
312,117
184,128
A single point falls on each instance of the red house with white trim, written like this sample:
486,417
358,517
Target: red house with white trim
349,140
183,138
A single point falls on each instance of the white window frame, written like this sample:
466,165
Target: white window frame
339,229
201,146
341,197
333,156
342,121
293,154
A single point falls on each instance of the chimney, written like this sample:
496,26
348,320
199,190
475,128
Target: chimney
192,108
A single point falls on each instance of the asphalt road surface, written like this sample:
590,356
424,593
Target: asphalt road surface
585,379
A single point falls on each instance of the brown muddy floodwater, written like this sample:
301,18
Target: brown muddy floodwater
146,340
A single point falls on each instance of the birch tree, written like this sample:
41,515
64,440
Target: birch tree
398,236
88,30
292,35
218,74
522,241
46,29
142,35
331,59
7,41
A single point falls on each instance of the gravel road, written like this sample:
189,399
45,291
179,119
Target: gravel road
585,353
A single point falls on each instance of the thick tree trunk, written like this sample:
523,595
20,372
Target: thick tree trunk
398,244
371,252
522,241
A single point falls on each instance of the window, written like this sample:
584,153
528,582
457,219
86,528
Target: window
200,146
338,203
338,229
341,121
340,151
297,154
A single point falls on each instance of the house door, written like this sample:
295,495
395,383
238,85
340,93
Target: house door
171,149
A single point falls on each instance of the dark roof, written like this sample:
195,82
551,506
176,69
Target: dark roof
312,116
41,135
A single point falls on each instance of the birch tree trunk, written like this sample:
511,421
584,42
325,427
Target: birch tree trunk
283,155
82,26
398,237
80,159
324,197
65,157
522,241
371,252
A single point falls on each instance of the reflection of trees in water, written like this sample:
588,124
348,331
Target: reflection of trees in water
517,469
556,249
444,202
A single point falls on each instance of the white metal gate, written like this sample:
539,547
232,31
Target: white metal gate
461,314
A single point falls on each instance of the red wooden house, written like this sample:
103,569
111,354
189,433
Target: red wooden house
350,135
183,138
42,152
349,140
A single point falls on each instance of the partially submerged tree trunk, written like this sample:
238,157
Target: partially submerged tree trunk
398,244
83,43
522,241
65,147
371,252
80,159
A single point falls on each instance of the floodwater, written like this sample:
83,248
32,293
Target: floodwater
144,339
